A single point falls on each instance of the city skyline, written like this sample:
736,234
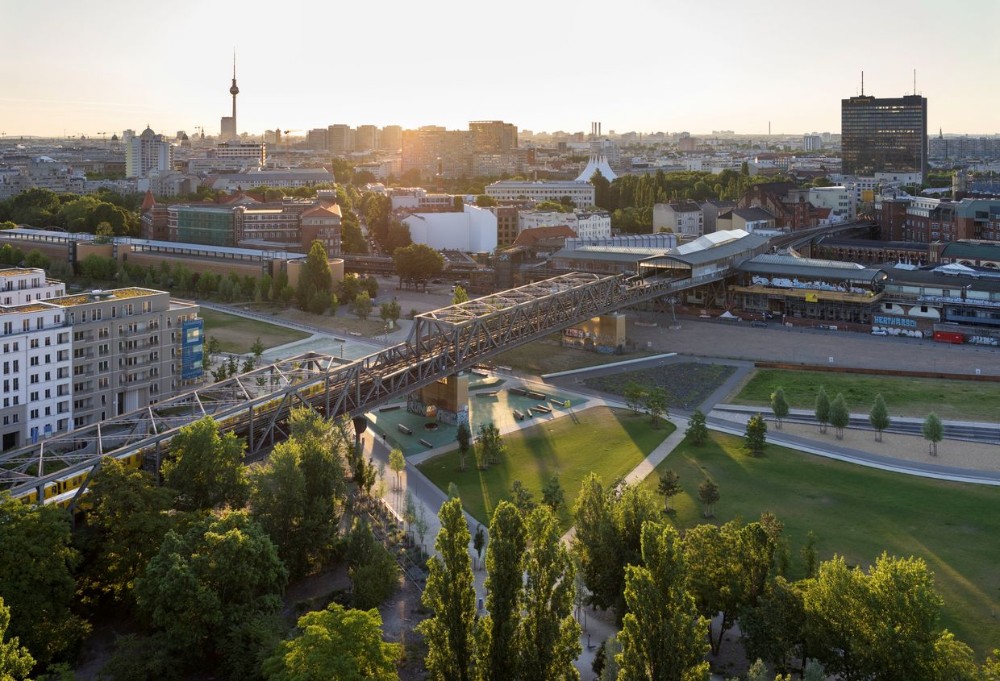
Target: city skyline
646,67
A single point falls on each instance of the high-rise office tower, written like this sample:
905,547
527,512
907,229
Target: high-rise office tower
884,135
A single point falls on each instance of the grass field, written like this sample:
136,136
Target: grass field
609,442
547,356
237,334
858,513
968,400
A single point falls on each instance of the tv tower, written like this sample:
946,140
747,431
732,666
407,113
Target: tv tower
228,124
234,90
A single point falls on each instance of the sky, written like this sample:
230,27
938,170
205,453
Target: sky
101,66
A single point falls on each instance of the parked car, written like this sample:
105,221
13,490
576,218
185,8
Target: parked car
758,324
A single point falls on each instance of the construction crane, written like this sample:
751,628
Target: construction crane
201,129
288,161
104,137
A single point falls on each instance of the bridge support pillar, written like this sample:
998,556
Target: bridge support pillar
445,400
603,334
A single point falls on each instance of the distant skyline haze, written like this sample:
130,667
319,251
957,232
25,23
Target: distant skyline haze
637,65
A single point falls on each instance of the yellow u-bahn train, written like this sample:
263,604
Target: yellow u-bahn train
61,491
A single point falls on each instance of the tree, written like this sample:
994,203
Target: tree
548,636
810,558
373,571
779,406
634,394
15,661
450,595
464,437
840,417
36,580
772,630
497,646
602,191
708,494
389,312
609,536
668,486
822,409
879,417
361,306
662,636
484,201
278,503
335,643
756,435
214,592
933,432
493,447
552,494
206,467
397,463
522,497
417,264
459,296
728,568
883,623
697,430
479,543
655,401
128,517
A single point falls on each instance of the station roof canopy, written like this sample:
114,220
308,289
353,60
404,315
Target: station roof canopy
793,266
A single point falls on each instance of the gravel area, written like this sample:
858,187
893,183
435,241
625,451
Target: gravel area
979,456
687,383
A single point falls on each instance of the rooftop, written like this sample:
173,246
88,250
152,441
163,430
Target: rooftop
99,296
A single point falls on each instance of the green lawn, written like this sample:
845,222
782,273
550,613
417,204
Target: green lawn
969,400
609,442
859,512
237,334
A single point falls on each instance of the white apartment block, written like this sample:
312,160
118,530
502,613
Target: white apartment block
837,199
581,193
20,285
145,152
586,224
70,361
36,364
679,217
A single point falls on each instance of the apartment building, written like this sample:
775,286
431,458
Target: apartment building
36,364
72,360
131,347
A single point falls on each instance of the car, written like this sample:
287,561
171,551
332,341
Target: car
879,332
757,324
435,281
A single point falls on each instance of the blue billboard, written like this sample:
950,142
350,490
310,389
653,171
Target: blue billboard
192,349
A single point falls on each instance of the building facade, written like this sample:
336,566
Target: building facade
884,134
511,191
145,152
70,361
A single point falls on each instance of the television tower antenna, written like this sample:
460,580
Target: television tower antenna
862,83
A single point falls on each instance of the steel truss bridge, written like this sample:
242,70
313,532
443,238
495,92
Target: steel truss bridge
256,404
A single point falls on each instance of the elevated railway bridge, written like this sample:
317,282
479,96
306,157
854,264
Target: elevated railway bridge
256,404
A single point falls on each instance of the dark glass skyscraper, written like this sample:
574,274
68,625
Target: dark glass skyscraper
884,135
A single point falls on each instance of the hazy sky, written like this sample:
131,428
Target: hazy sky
72,67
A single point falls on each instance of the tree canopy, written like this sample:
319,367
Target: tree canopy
417,264
335,643
206,467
